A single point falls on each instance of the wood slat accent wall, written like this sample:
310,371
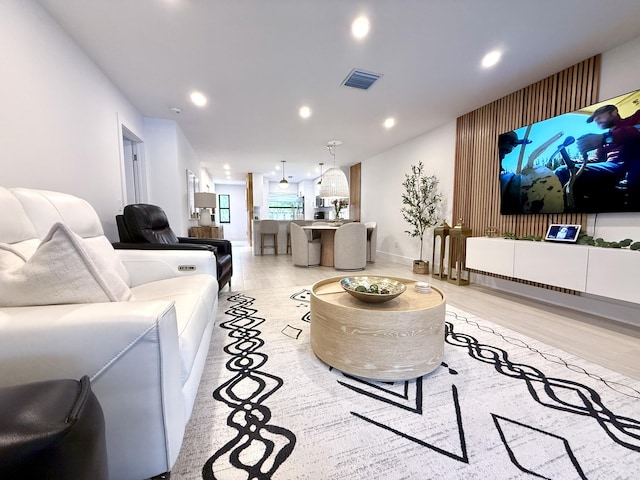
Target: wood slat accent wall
249,192
355,176
477,186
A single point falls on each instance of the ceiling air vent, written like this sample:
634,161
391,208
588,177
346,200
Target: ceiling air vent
361,79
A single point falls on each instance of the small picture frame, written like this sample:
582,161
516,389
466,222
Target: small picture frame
560,232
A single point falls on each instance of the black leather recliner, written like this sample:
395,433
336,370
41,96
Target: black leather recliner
144,226
52,429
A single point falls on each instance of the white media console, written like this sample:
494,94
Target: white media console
606,272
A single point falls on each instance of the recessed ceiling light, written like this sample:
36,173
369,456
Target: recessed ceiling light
360,27
389,122
226,166
199,99
491,58
305,112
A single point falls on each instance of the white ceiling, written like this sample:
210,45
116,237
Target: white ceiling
258,61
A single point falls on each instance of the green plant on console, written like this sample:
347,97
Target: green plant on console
583,239
513,236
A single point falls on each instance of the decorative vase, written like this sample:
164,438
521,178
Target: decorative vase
420,267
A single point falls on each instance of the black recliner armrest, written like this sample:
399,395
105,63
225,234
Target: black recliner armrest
163,246
223,246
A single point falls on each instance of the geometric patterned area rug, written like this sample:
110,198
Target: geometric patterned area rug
500,406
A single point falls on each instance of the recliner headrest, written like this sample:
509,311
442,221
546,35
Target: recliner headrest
148,223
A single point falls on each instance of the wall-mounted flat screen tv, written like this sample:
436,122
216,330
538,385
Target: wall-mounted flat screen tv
586,161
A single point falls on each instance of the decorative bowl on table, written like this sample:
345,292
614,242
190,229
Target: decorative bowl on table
373,289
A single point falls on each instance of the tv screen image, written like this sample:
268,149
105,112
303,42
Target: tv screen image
586,161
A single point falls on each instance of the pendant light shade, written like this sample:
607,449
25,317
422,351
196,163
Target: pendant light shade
334,184
283,183
334,181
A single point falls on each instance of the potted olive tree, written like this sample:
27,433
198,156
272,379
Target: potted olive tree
421,202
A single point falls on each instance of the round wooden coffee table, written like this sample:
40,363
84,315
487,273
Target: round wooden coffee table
396,340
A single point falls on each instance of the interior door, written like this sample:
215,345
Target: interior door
134,172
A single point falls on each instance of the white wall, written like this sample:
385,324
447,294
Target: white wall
238,229
620,74
186,159
60,114
620,70
381,185
168,155
206,182
274,189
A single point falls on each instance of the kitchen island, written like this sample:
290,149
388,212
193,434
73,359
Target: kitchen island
282,237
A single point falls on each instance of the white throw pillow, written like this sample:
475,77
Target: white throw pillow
10,257
62,271
13,255
101,247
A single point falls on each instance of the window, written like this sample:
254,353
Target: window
225,211
286,207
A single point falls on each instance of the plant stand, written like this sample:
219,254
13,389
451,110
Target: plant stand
458,271
420,267
442,233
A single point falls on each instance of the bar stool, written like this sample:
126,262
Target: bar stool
269,227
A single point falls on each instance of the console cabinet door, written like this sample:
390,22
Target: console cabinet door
552,264
492,255
613,273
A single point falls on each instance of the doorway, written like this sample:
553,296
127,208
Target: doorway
134,168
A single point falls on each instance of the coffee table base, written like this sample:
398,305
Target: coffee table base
397,340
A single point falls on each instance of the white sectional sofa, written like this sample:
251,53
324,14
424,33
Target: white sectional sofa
132,320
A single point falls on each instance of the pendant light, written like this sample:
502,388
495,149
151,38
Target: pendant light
334,182
283,183
321,176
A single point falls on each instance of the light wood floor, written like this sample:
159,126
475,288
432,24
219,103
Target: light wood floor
608,343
